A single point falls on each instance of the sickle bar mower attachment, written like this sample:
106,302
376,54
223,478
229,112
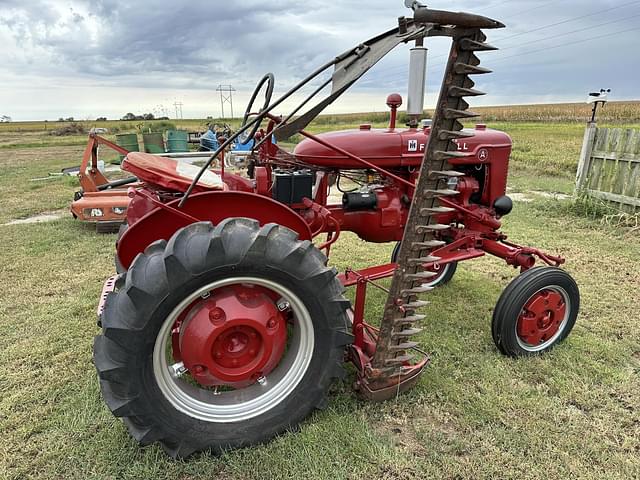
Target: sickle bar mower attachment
393,368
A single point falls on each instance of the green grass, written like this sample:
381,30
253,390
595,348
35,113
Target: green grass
574,413
550,149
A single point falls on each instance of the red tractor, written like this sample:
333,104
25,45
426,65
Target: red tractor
226,327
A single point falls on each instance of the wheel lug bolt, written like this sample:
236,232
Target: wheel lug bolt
217,315
198,369
218,354
271,323
252,352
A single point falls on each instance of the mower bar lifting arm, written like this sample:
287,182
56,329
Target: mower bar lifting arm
459,19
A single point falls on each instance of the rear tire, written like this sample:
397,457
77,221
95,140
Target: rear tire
179,413
535,312
119,267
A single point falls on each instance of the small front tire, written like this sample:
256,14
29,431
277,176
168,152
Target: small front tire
445,272
535,312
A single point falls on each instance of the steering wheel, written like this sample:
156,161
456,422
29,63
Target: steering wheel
269,79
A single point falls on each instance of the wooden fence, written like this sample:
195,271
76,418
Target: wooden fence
609,167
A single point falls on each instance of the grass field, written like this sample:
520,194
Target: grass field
574,413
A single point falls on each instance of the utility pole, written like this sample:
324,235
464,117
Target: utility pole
178,105
226,95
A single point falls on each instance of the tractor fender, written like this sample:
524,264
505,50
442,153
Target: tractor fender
215,206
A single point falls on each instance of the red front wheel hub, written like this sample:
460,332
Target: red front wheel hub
541,317
233,338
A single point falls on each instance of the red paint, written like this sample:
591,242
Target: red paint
221,353
351,277
464,248
109,201
390,148
541,317
394,101
168,173
235,182
384,224
233,337
263,181
91,179
208,206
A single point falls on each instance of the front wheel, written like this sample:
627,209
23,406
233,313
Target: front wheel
444,273
535,312
222,337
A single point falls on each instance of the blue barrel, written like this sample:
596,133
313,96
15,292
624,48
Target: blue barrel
177,141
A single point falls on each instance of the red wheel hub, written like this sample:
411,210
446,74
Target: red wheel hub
541,317
234,337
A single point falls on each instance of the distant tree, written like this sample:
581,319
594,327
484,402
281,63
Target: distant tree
148,116
69,119
61,119
129,116
162,118
101,119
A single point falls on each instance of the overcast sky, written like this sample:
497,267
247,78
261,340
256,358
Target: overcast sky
107,57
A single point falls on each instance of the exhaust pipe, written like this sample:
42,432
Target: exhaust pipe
417,79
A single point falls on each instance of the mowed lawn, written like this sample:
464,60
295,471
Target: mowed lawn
574,413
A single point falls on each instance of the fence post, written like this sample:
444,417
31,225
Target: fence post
585,155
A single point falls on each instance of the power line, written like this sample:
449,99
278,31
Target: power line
532,9
494,5
399,68
571,32
562,45
178,107
432,66
226,96
569,20
609,35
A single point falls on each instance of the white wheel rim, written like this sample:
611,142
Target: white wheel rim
244,403
442,271
538,348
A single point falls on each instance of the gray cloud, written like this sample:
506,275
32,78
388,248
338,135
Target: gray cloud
196,45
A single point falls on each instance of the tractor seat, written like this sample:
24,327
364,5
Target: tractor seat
170,174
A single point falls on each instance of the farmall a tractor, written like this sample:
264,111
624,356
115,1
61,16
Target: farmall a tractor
226,326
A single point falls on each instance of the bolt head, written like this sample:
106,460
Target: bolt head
217,315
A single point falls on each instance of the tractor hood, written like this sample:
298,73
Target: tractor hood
389,148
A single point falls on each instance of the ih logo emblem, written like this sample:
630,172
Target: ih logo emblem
413,145
483,154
